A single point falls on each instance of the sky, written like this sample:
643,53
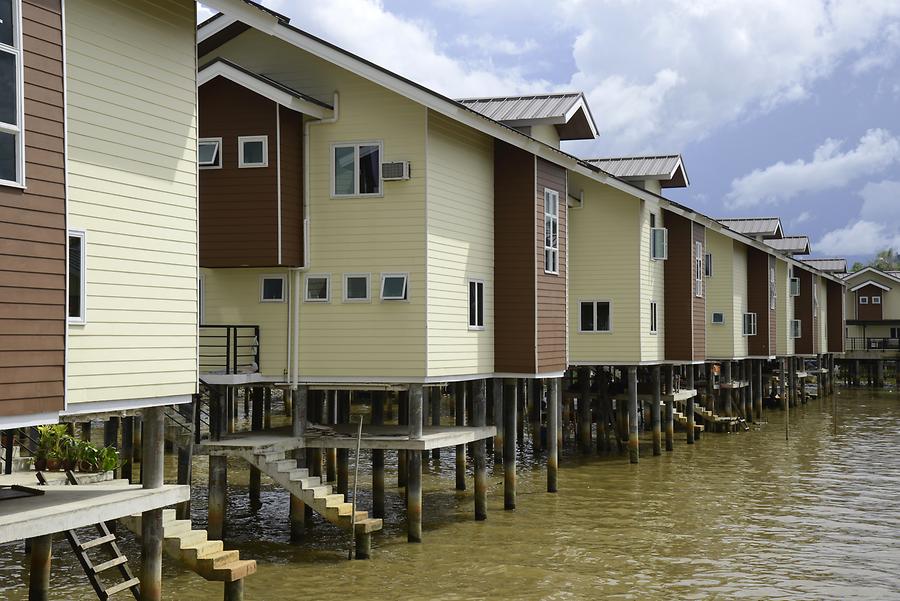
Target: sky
779,108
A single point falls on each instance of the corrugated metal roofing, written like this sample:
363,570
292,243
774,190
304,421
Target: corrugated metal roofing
829,265
790,244
524,108
639,167
753,226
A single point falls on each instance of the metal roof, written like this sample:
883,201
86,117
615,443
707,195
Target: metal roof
829,265
755,226
668,168
554,109
795,245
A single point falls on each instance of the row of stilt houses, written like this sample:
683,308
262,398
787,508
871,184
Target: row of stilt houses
242,241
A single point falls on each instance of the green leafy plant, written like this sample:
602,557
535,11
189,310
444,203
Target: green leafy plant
107,459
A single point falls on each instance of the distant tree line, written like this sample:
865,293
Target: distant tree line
886,260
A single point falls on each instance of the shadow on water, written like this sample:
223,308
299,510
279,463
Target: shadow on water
743,515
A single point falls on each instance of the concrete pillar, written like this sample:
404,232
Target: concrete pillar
330,416
435,396
725,382
414,466
128,449
584,409
670,408
879,374
689,406
152,521
256,425
459,397
402,420
536,397
39,577
234,590
758,390
509,443
654,409
709,368
633,452
521,398
552,433
479,419
497,385
343,455
378,399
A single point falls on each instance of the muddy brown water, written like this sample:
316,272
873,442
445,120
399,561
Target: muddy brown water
744,515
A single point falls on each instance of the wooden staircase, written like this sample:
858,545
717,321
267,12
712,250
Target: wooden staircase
311,490
208,558
712,419
19,462
681,418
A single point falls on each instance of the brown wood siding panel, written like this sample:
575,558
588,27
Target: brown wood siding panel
514,267
238,207
33,231
803,310
869,311
700,302
679,288
291,188
551,288
758,302
835,313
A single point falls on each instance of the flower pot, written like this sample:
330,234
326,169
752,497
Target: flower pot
53,465
40,464
69,464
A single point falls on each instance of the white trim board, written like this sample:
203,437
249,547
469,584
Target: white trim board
126,404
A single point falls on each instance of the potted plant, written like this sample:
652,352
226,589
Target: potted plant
68,452
87,456
48,453
107,459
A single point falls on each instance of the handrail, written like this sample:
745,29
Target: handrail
870,343
228,348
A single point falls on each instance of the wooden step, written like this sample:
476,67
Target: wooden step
369,525
217,559
122,586
284,465
116,561
233,571
97,542
270,456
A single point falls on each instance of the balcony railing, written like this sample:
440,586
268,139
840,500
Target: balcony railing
229,349
873,344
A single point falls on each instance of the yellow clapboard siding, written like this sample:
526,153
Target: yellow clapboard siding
652,289
739,291
720,297
123,388
784,309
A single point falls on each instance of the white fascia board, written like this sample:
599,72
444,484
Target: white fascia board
870,283
220,69
235,10
13,422
580,104
126,404
856,274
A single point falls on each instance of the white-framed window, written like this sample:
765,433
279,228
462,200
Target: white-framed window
209,153
796,328
815,291
698,269
863,300
654,324
394,286
749,324
773,289
12,96
77,272
795,286
356,287
718,318
253,151
356,169
272,288
895,332
659,243
876,300
595,316
318,288
476,305
708,265
551,231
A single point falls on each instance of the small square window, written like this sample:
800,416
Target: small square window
863,300
876,300
718,318
394,286
253,151
272,288
318,288
476,305
209,153
356,287
596,316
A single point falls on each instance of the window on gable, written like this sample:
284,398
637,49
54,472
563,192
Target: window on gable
551,231
863,300
209,153
653,320
876,300
749,324
596,316
698,269
476,304
12,145
718,318
318,288
272,288
708,265
356,287
76,277
394,286
795,286
253,151
357,170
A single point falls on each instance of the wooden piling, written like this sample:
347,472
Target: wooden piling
40,559
725,383
267,408
535,405
758,390
343,455
497,386
111,436
552,433
655,401
402,420
185,469
330,413
670,407
414,466
603,411
128,448
689,405
479,419
299,401
509,443
152,471
434,394
459,397
633,453
234,590
521,400
584,409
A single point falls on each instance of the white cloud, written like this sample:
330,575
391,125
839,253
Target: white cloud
828,169
881,202
490,44
801,218
876,228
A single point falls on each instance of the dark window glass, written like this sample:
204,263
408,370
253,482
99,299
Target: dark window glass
394,287
253,153
8,81
473,304
652,219
208,154
480,314
7,157
587,317
76,252
357,288
273,289
343,170
602,317
369,170
6,22
317,288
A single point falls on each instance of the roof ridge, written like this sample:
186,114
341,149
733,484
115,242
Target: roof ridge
519,96
637,156
746,218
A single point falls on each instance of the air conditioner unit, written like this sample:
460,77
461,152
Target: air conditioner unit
398,170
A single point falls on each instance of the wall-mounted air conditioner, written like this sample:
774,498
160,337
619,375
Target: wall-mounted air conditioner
395,171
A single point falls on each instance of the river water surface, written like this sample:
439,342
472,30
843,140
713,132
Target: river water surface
745,515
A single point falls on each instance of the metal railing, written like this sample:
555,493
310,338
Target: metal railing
229,349
873,344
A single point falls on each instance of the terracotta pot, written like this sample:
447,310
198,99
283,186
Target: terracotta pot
40,464
53,465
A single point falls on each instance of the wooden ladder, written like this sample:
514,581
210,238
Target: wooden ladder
106,539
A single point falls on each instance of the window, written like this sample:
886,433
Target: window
652,220
394,286
356,287
876,300
708,264
659,243
895,332
773,289
209,153
356,169
795,286
318,288
863,300
698,269
476,305
815,290
76,275
271,288
653,321
795,328
718,318
596,316
253,151
551,231
12,144
749,324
